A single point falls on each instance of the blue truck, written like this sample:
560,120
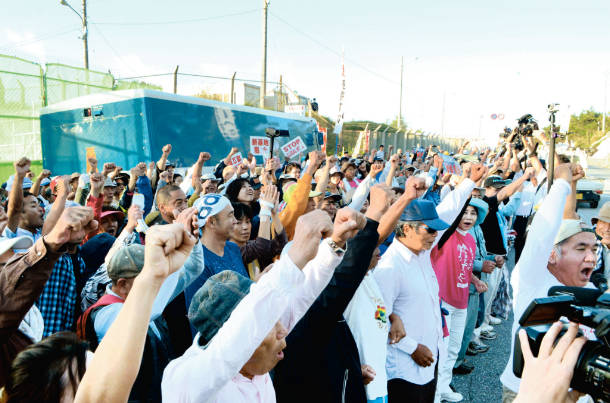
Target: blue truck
130,126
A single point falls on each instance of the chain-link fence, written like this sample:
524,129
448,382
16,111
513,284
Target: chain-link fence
25,87
21,97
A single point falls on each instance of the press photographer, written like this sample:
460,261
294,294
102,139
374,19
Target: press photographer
559,251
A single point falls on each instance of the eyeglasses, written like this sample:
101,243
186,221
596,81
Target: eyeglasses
428,229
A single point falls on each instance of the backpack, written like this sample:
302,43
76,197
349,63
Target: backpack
85,325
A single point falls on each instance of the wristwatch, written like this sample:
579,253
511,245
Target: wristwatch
339,251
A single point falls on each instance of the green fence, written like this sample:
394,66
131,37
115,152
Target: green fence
26,87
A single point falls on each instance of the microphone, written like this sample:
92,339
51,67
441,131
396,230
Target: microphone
583,296
600,281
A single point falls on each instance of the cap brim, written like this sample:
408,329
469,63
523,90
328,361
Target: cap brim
20,242
436,224
314,194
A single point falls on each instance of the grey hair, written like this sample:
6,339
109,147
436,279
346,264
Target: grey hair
399,227
557,248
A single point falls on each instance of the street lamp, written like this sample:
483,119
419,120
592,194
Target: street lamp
83,19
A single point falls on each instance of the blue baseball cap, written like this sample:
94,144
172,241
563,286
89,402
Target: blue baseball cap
424,211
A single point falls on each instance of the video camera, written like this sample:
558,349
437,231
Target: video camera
590,307
272,133
525,128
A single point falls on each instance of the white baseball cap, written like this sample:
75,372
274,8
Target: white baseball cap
20,242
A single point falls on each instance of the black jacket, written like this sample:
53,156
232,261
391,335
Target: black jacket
321,361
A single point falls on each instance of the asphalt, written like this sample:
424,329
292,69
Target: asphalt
483,384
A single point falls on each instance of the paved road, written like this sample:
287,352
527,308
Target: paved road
483,384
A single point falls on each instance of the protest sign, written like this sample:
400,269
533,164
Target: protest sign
259,145
324,138
236,159
450,165
89,153
294,147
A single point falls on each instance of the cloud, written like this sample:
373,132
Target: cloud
27,43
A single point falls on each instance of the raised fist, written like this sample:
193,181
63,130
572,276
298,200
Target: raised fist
476,172
310,228
166,149
22,167
347,223
71,228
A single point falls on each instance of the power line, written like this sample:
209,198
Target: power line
323,45
99,31
34,40
196,75
178,21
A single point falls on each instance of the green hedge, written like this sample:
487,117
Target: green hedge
7,169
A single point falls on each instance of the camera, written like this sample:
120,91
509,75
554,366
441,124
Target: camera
525,128
553,108
507,132
589,307
273,133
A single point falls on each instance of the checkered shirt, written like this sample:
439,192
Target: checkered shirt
57,303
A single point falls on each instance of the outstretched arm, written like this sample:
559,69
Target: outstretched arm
117,359
15,200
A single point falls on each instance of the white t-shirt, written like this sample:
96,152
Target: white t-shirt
531,279
367,320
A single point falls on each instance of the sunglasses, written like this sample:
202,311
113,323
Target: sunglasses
428,229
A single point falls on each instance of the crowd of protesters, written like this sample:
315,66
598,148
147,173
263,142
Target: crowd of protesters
350,278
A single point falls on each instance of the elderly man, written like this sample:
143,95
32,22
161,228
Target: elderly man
410,289
557,252
602,229
242,326
171,200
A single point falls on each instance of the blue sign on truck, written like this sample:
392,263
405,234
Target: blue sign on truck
127,127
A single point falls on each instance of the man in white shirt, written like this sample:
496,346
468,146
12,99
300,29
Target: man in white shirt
242,326
410,289
557,252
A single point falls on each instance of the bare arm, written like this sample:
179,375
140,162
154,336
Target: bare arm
167,149
414,188
392,172
509,190
15,200
117,359
36,186
227,159
569,211
323,183
62,189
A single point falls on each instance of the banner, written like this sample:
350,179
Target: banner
260,145
294,147
339,125
358,144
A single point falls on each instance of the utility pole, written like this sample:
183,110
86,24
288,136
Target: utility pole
85,34
264,73
443,114
280,99
399,122
233,88
176,80
83,20
605,99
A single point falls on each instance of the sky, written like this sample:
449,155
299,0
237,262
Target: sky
464,61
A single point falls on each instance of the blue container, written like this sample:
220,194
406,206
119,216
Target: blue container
127,127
